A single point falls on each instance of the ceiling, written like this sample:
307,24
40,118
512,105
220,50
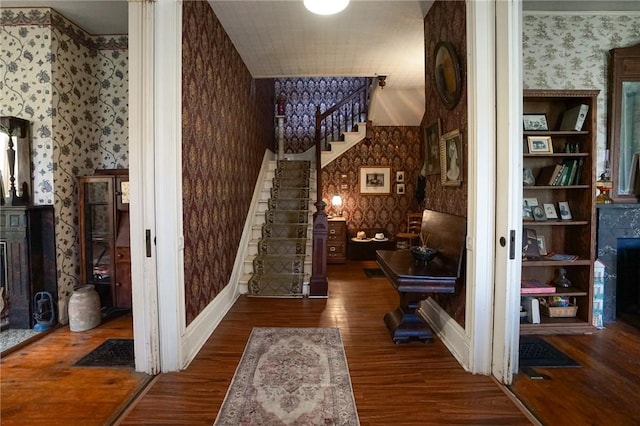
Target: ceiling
281,38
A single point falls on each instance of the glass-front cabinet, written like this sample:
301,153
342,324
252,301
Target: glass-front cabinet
104,236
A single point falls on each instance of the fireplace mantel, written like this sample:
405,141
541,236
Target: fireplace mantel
615,221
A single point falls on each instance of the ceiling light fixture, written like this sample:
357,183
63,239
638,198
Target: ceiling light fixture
326,7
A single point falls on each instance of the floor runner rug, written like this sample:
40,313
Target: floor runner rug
291,376
111,353
536,352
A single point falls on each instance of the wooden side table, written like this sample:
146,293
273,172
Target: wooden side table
337,240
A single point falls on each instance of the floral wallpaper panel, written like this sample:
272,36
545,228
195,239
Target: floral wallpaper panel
570,51
73,87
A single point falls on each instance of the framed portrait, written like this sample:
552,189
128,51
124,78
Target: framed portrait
527,208
550,211
400,188
432,148
542,245
399,177
451,158
538,214
535,122
540,144
375,180
565,212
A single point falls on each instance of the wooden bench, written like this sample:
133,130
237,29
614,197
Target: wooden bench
415,280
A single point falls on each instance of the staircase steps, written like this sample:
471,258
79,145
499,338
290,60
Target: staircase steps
279,255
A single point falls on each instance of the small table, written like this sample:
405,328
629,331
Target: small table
414,281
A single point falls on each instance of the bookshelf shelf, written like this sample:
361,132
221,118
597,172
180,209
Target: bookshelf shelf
575,236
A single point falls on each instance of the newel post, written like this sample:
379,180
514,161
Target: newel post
318,285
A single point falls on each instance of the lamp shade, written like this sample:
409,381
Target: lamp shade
336,201
325,7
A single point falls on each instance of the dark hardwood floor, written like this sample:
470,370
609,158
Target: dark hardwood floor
393,384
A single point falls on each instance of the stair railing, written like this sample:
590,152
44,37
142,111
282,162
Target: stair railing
331,125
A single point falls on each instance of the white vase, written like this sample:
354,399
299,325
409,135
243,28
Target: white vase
84,309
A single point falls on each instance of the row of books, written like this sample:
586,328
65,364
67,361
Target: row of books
566,173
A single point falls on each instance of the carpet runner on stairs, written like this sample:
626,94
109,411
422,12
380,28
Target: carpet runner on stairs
278,269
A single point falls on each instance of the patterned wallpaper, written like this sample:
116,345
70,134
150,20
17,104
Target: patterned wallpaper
303,96
562,51
397,147
73,87
447,199
227,121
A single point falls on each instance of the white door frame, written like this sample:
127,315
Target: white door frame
508,259
481,178
155,95
142,188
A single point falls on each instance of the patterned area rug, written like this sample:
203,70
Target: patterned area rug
291,376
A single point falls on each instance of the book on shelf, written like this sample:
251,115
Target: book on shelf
574,118
561,257
532,286
548,174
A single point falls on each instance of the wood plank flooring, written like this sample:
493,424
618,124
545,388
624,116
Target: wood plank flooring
40,385
393,384
604,391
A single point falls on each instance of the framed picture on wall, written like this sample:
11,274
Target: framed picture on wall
375,180
400,188
432,148
451,159
400,176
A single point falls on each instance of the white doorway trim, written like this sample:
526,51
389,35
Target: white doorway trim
481,186
141,177
167,111
509,188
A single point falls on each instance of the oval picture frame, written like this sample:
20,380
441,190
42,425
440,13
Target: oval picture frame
446,74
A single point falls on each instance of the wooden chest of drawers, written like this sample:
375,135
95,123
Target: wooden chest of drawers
337,240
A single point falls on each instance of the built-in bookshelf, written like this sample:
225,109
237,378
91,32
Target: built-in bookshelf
559,211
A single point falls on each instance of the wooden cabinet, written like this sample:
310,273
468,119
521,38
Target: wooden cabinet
574,236
27,260
337,240
104,236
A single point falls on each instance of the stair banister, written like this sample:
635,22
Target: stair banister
340,118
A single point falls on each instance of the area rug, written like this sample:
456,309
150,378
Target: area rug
111,353
291,376
373,273
536,352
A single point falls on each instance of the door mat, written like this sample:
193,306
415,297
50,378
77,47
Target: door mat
536,352
111,353
373,273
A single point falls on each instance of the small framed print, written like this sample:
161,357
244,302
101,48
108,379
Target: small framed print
535,122
375,180
400,176
542,245
550,211
565,213
540,145
538,214
400,188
